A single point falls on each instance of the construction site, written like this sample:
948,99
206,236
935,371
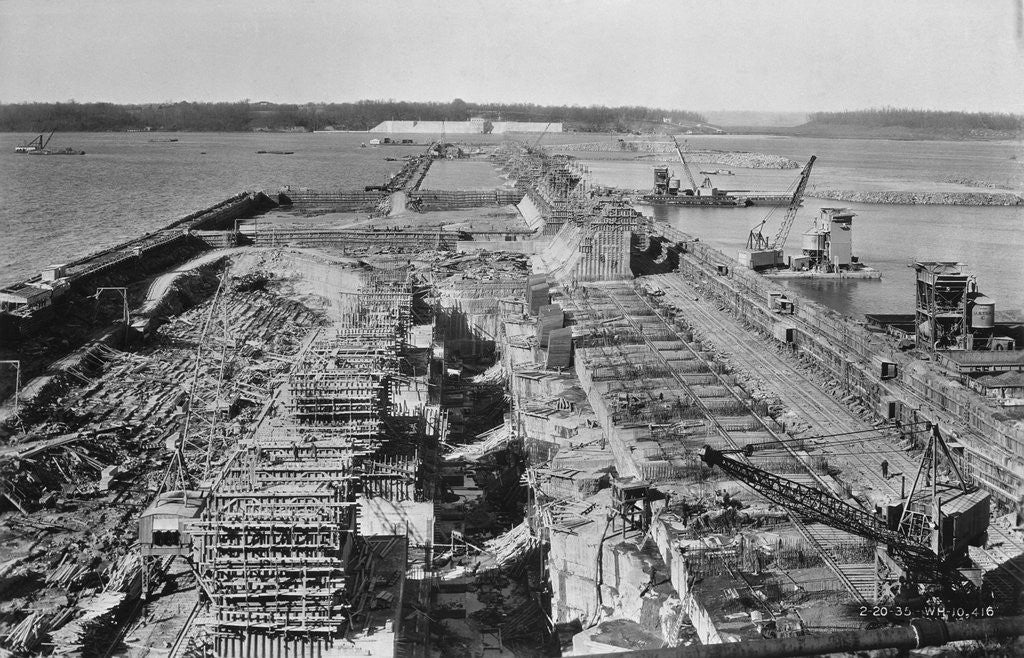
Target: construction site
485,409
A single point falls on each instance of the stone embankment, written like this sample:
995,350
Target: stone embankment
970,182
747,159
925,198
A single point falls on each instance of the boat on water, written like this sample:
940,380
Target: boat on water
167,140
37,146
720,200
67,150
275,152
718,172
667,191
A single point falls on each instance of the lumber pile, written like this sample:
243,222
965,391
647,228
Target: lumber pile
511,546
95,616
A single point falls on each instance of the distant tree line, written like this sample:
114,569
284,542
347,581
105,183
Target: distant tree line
361,115
924,120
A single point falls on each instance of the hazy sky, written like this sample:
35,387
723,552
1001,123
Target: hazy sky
756,55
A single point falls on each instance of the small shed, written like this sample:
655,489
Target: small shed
161,526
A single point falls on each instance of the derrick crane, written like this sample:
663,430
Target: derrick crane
545,132
35,145
204,424
184,488
686,167
909,550
757,241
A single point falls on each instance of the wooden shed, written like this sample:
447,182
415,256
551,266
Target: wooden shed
162,526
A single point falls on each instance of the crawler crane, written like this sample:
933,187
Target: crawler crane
762,254
923,540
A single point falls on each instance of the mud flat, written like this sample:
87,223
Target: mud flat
922,198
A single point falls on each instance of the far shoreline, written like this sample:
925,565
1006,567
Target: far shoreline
740,131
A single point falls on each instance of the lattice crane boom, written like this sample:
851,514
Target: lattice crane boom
686,167
757,240
824,508
203,426
794,205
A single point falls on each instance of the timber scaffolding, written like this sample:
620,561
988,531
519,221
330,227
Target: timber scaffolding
554,188
598,246
280,549
355,241
318,201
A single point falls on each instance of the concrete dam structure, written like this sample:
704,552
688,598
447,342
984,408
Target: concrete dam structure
413,420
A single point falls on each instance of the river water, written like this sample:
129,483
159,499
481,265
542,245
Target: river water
57,208
989,240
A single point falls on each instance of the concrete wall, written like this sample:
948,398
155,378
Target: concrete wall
531,212
526,127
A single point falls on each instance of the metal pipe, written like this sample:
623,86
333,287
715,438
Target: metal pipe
919,633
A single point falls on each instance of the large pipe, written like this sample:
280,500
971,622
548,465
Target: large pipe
920,633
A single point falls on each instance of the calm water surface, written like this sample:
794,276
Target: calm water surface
57,208
988,239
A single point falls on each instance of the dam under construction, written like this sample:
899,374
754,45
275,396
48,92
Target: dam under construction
487,408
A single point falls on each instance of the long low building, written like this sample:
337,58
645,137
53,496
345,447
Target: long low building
475,126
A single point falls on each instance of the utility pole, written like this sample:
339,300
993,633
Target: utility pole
124,299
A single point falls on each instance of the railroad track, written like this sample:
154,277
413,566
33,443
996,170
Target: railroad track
816,535
796,390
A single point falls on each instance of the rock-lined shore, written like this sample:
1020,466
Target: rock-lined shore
922,198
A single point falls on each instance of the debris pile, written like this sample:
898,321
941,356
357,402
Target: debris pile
91,454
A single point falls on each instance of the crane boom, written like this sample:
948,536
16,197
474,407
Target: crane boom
545,132
794,205
829,510
757,240
686,167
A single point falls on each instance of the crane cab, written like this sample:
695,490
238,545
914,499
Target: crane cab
162,528
962,520
779,303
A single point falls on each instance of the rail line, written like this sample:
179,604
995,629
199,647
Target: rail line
794,388
820,537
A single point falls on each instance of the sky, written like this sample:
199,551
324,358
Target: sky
794,55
